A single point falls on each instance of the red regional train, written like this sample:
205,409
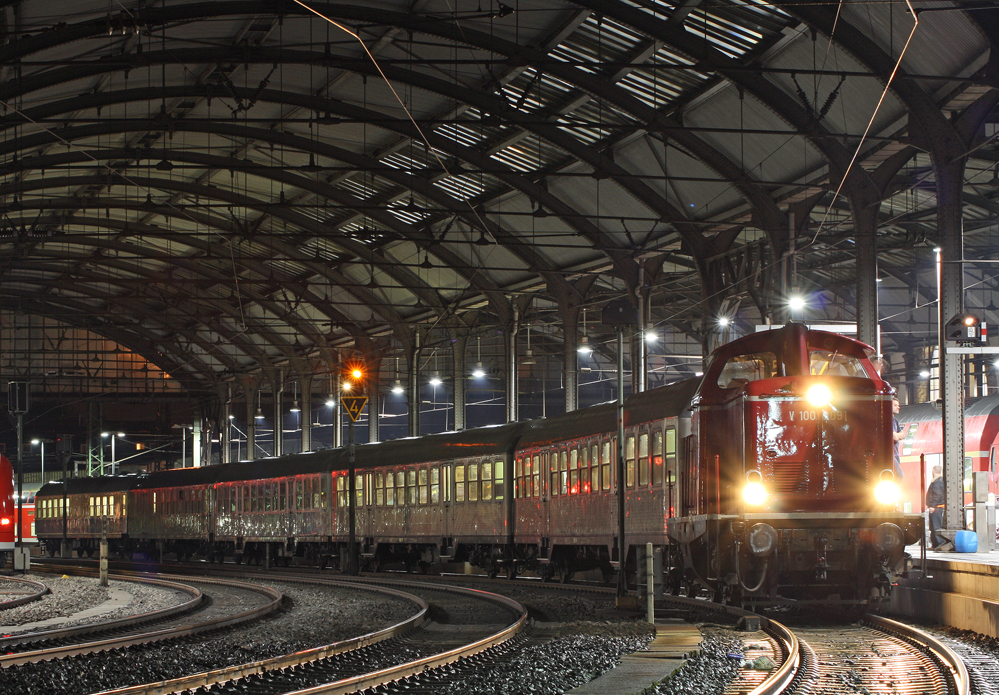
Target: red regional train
770,475
8,511
923,428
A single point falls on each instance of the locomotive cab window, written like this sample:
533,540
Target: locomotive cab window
739,370
835,363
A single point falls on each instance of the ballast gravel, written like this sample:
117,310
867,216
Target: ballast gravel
72,595
313,616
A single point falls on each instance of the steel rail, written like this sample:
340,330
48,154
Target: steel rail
197,598
350,685
944,655
394,673
173,633
223,675
792,661
41,590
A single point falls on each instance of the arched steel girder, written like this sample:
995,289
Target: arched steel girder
307,183
139,344
603,166
143,311
768,93
191,267
238,200
522,251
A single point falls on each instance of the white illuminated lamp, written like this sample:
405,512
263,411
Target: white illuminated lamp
924,374
797,303
650,335
435,380
479,371
330,401
724,321
259,415
529,355
294,406
231,416
397,387
584,346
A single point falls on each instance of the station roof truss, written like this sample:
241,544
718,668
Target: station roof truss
225,188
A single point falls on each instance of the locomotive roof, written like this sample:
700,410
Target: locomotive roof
666,401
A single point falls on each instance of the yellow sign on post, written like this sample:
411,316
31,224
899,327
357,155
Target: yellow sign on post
354,405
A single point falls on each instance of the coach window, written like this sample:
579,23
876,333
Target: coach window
487,481
435,485
400,488
573,471
379,489
518,477
643,459
390,490
499,481
538,461
584,470
553,487
268,499
359,490
473,482
283,496
657,458
629,460
424,487
412,496
341,492
670,453
605,465
459,483
525,478
594,468
563,471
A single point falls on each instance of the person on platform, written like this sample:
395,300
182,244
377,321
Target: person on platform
935,506
897,435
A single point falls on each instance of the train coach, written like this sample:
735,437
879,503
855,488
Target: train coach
922,425
770,475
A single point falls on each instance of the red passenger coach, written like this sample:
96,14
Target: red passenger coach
8,510
923,428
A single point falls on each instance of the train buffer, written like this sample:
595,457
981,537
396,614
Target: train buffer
667,652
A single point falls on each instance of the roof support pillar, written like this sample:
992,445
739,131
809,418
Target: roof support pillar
413,376
458,346
950,178
570,356
251,422
865,230
305,386
374,367
225,424
512,404
278,388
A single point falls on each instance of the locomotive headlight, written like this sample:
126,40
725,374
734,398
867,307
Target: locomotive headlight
887,492
819,395
754,494
4,521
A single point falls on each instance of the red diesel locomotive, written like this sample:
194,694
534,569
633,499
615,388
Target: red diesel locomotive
770,475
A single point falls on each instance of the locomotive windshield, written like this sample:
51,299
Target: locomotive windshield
835,363
741,369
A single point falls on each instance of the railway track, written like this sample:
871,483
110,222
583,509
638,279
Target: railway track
17,591
170,624
453,624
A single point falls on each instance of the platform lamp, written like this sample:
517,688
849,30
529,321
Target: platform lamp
118,435
39,441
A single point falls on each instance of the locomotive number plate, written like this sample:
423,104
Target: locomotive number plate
816,415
